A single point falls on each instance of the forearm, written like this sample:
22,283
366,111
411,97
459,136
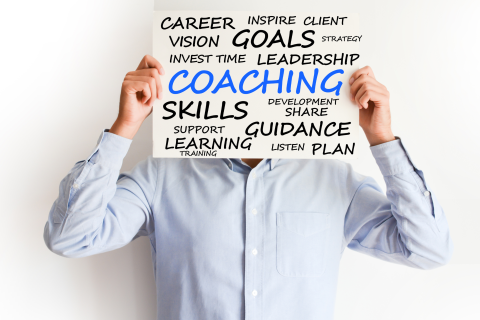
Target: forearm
94,212
376,139
124,128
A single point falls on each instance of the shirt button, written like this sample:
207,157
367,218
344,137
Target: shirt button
426,193
75,186
254,293
254,211
254,252
254,175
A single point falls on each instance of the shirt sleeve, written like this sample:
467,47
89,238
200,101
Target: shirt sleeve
98,210
408,225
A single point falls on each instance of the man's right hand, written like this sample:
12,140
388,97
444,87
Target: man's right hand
140,88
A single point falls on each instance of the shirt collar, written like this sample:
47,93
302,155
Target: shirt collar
235,162
273,163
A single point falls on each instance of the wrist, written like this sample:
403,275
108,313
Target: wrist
124,128
376,139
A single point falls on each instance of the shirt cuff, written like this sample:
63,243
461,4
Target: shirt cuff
392,158
110,150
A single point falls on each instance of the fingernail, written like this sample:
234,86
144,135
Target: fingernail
162,71
160,95
351,80
351,96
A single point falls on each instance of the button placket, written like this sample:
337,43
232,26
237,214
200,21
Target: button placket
253,241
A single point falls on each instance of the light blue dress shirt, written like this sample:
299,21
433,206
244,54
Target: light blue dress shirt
230,243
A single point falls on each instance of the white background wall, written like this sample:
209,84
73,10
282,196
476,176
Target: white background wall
61,67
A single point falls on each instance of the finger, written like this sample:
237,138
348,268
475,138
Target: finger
365,80
151,72
365,70
132,87
151,83
151,62
363,96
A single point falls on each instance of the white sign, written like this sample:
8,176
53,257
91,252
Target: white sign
255,85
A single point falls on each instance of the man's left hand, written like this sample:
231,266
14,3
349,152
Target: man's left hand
372,98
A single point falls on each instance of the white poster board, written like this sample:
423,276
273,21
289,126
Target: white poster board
255,85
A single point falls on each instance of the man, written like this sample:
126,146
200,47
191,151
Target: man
248,238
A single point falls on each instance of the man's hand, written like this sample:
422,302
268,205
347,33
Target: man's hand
140,88
372,98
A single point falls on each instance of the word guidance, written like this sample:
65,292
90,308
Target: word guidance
253,85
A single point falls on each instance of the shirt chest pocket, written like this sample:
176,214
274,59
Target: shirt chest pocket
301,243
